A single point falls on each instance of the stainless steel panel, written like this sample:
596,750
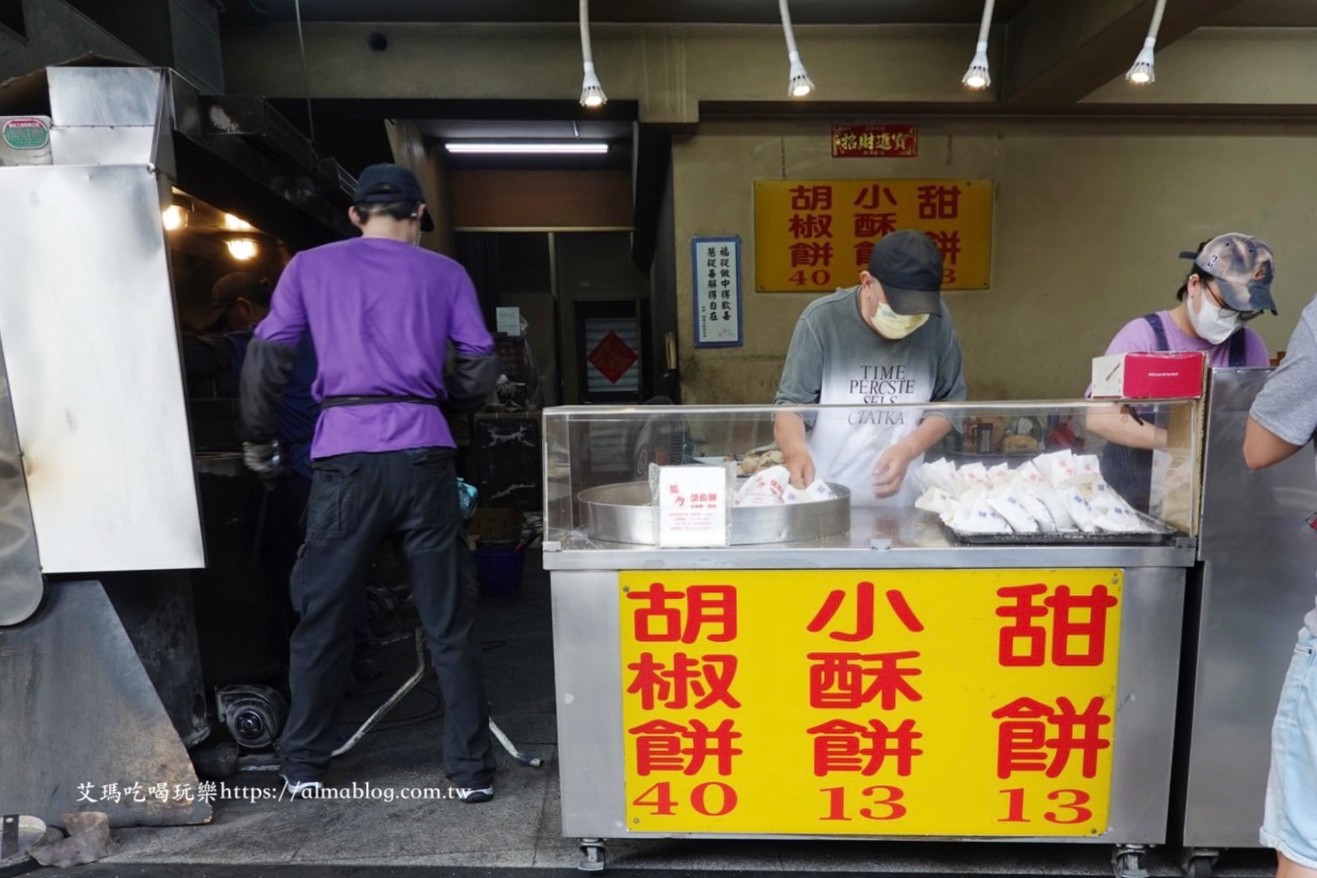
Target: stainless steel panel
86,714
1258,556
624,513
105,95
91,348
587,667
132,145
20,569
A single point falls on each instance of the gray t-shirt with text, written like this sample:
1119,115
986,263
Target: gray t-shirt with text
1287,405
836,358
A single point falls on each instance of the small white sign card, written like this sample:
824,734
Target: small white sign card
693,506
508,320
716,283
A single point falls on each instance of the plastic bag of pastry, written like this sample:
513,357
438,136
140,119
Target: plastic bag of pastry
1038,510
764,488
1028,472
1088,464
937,501
1111,514
1078,508
1057,467
970,475
940,473
980,518
1006,503
1056,505
816,491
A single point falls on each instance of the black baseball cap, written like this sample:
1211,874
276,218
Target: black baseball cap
388,183
908,265
228,290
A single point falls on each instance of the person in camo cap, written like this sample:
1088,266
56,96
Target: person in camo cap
1228,285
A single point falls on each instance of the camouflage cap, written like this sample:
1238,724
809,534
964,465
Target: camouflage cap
1243,267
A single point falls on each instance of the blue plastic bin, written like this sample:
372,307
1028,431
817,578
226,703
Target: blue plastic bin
498,567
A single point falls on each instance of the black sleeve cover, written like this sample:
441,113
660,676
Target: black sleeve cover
264,376
471,377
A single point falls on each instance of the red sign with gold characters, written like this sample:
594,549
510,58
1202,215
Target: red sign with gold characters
870,702
874,141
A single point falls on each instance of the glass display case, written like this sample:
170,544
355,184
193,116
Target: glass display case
1032,543
1004,473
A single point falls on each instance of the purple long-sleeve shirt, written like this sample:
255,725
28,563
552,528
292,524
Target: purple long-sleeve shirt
381,314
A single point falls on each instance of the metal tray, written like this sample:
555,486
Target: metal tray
1164,533
623,513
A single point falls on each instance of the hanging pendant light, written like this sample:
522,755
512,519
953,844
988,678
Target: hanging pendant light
1142,73
798,82
592,92
976,78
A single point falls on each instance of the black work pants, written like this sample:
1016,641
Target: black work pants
357,501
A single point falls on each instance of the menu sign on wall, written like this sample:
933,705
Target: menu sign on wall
870,702
816,235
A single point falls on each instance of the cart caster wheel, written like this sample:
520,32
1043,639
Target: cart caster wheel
1199,863
1127,861
592,855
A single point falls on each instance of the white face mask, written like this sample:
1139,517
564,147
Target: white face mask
895,326
1213,323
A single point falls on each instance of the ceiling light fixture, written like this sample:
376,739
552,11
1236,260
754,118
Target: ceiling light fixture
592,93
1142,72
233,224
578,148
798,82
173,217
241,249
976,78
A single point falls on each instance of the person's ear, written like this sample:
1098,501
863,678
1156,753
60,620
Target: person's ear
355,217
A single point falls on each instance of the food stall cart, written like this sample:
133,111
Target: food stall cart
1256,584
837,670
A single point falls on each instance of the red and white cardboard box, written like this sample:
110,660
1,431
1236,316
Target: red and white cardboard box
1166,375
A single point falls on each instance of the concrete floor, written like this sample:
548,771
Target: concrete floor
521,828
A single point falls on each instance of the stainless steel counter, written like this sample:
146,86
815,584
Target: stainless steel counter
878,538
1258,557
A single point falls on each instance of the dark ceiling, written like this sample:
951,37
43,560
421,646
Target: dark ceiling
1246,13
350,130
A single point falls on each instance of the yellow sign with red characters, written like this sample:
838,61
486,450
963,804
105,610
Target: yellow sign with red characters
816,235
870,702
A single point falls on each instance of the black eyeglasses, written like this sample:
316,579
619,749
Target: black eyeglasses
1244,316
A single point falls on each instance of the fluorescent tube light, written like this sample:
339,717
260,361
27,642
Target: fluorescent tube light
586,148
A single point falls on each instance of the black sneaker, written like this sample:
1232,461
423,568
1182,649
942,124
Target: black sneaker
475,795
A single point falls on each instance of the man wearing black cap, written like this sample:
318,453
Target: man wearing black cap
886,341
382,314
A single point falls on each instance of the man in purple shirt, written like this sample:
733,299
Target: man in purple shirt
382,313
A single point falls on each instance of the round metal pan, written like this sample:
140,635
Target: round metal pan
623,513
